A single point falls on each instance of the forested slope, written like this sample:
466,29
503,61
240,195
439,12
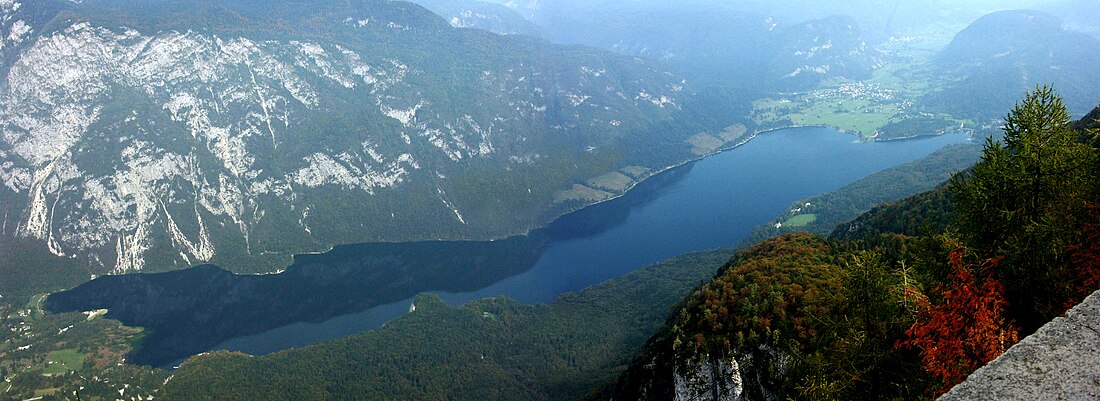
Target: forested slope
493,349
821,214
910,298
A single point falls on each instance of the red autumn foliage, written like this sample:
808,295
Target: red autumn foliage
968,329
1086,257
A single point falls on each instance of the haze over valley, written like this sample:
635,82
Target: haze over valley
459,197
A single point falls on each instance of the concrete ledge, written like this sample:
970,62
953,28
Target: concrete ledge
1061,361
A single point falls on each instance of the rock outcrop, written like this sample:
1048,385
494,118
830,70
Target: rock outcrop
1061,361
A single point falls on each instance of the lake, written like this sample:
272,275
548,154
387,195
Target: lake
711,203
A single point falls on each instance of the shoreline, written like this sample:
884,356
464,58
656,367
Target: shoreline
731,145
653,173
735,145
876,138
741,142
969,133
528,231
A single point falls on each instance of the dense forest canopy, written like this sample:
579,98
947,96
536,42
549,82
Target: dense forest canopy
910,298
222,139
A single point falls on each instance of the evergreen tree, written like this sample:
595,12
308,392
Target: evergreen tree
1025,199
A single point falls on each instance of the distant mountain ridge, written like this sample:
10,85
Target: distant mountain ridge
483,15
992,62
142,135
808,52
713,44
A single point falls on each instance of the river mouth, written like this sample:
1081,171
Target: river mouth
711,203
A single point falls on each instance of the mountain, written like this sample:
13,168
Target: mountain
1000,56
1090,121
1078,14
696,39
483,15
904,301
795,277
809,52
182,318
795,315
713,44
140,135
465,353
827,211
555,339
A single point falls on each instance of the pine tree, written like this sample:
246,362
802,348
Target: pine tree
1024,201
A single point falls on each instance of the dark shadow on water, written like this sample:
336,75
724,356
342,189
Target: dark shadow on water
352,288
189,311
596,219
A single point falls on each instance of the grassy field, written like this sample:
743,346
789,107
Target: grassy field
853,115
35,306
61,361
800,220
581,192
635,172
847,112
887,98
46,391
613,181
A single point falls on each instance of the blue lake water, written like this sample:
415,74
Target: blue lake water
711,203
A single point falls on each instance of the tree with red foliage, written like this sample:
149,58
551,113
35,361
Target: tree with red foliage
1025,200
968,329
1086,257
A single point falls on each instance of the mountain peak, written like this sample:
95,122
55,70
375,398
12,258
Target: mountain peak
145,136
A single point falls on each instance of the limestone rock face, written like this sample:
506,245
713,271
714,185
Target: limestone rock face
1061,361
137,139
716,380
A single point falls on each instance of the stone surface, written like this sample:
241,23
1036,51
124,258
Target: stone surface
701,385
1061,361
142,141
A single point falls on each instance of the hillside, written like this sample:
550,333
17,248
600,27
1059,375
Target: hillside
826,309
908,299
713,44
1087,126
481,15
147,136
244,294
489,349
1004,54
821,214
342,187
805,54
783,303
